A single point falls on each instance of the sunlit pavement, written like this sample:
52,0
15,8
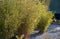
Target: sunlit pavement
53,32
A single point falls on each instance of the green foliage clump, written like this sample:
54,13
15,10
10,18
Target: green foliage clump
20,16
45,21
9,18
35,11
